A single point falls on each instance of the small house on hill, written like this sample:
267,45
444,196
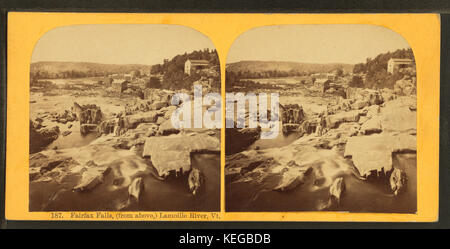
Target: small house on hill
396,63
192,65
119,85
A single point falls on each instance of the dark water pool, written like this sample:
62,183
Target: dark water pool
74,139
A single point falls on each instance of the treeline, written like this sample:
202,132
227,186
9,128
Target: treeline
375,70
234,78
69,74
173,70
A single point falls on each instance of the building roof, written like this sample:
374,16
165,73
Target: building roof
199,62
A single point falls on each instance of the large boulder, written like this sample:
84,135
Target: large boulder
87,114
166,128
158,105
291,177
144,117
398,116
333,121
372,125
292,113
336,189
173,153
373,154
92,177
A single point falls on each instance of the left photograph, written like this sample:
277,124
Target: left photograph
124,118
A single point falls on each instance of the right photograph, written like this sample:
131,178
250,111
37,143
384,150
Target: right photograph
321,118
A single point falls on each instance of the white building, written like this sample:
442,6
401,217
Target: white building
192,65
396,63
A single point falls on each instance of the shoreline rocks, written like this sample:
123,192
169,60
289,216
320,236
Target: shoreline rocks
41,137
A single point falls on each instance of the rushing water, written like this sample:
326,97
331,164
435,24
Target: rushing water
280,141
171,194
359,196
74,139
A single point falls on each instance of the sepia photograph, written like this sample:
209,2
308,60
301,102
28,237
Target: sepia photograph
329,121
110,119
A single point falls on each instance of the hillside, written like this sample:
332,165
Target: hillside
262,66
56,67
376,70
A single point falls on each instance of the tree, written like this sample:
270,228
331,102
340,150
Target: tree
357,81
153,82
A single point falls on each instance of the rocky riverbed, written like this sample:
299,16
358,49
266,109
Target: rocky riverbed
92,151
353,154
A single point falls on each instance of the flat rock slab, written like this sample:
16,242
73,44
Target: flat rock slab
374,153
335,120
173,153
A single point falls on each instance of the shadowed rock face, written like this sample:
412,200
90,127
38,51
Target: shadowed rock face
239,139
41,137
89,116
292,114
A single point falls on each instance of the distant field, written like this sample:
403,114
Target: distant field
281,80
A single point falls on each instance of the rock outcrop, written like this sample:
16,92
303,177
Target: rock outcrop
89,117
405,86
397,181
92,177
239,139
337,188
373,154
292,176
195,180
41,137
333,121
135,189
292,114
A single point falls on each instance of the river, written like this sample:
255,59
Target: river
359,196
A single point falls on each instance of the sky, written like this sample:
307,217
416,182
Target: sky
146,44
339,43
